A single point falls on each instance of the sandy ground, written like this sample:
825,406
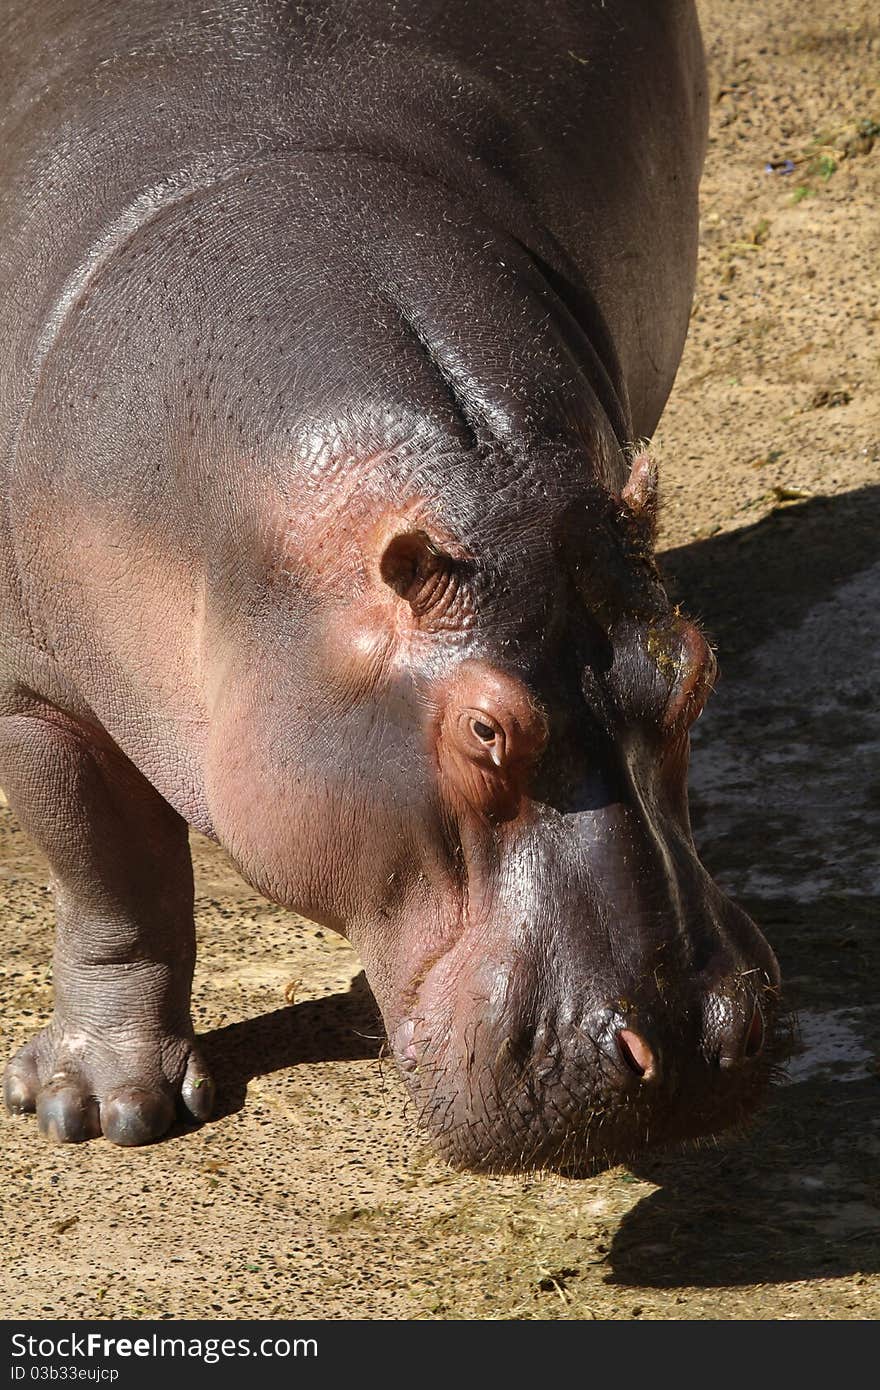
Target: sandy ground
311,1194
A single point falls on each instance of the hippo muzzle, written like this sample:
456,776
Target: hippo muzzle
572,1031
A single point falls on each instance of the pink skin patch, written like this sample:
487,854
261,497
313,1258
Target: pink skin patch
697,672
404,1045
636,1053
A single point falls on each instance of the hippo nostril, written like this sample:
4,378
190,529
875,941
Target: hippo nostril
636,1053
755,1036
735,1041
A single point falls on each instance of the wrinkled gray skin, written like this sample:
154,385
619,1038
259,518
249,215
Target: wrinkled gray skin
325,332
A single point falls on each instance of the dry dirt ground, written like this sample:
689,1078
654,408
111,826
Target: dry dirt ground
311,1194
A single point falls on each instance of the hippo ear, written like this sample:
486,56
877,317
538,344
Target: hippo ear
640,495
418,569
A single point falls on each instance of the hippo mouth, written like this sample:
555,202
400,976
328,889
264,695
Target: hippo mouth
575,1095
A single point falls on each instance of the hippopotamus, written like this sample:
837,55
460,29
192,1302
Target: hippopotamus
332,335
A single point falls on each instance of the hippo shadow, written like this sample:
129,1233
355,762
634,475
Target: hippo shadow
796,1196
797,1201
338,1028
745,585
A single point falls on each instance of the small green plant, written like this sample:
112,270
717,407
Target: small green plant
802,191
825,166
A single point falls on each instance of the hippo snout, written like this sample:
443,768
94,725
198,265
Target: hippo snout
602,997
577,1088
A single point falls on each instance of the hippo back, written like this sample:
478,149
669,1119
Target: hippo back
113,111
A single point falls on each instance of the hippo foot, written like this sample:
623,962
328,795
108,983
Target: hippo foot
80,1087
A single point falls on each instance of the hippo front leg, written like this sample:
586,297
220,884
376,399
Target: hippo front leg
119,1048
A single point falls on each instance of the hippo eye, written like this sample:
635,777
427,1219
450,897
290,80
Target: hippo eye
483,731
488,735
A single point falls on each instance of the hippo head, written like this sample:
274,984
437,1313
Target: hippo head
562,982
496,771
